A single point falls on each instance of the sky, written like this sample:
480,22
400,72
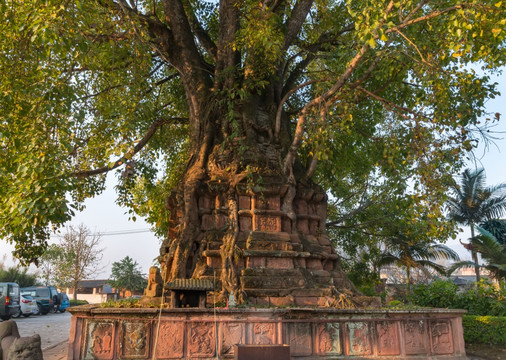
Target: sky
122,237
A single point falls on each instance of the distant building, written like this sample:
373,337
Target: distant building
467,276
94,291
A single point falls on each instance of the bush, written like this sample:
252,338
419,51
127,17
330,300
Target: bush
483,298
484,329
78,302
439,293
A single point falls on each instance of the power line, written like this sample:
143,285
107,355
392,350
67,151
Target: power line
113,233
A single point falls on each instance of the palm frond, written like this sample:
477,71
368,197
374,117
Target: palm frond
424,264
442,252
466,264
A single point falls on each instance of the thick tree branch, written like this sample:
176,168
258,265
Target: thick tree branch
301,122
294,23
227,58
429,16
277,127
325,39
204,38
186,48
138,147
349,215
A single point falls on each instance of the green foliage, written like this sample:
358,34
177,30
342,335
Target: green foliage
126,275
493,253
439,293
360,273
394,303
484,329
78,302
410,254
473,202
17,274
125,303
391,101
497,228
483,298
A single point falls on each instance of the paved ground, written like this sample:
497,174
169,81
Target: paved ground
56,352
53,330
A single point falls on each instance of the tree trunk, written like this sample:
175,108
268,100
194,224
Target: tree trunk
474,255
237,216
245,210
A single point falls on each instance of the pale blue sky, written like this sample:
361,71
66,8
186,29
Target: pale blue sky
104,216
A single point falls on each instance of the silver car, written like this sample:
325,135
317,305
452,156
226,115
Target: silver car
28,306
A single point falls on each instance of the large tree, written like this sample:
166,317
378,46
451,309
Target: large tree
230,97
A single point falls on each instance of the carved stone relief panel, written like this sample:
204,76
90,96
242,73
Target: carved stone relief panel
100,340
263,333
201,340
359,342
298,336
388,338
231,334
268,223
170,342
328,339
135,340
414,337
441,337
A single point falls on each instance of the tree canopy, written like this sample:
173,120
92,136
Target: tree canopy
381,95
76,257
17,274
126,275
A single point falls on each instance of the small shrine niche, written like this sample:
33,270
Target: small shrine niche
188,292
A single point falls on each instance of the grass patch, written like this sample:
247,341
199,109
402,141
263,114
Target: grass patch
78,302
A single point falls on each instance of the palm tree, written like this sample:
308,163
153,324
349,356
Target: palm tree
472,203
491,250
416,255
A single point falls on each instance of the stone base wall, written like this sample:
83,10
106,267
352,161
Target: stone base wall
193,333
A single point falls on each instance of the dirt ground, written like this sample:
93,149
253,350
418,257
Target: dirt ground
485,352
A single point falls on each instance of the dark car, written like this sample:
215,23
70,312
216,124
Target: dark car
46,297
9,300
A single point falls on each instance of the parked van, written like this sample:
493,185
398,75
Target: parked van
9,300
46,297
63,302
